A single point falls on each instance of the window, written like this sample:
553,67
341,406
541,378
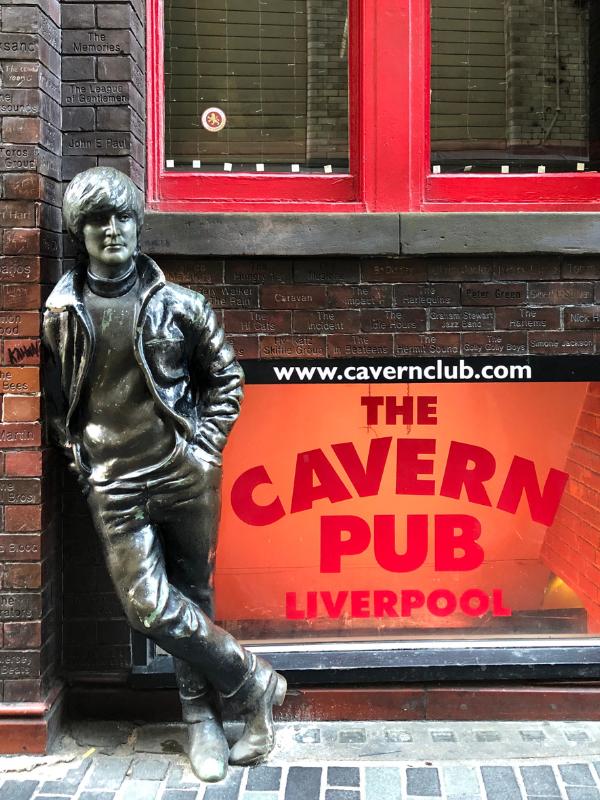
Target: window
357,105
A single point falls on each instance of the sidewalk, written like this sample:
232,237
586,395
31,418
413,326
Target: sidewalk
322,761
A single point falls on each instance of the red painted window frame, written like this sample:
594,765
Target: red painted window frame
389,140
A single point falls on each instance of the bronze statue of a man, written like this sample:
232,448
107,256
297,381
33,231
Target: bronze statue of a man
142,390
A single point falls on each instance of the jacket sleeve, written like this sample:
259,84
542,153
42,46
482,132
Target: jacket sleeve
55,403
222,378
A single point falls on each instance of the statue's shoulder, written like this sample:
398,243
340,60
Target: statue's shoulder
64,293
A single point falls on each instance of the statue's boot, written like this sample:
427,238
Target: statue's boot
253,701
208,750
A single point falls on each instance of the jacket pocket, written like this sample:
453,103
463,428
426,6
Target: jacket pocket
166,359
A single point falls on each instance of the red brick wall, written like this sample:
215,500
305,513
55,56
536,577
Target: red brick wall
572,545
30,227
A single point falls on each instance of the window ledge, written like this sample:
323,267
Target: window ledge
287,234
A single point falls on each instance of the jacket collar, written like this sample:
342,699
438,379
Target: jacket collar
68,292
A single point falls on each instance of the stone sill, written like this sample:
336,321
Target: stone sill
285,234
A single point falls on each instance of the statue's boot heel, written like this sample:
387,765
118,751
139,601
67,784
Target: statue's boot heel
209,751
264,689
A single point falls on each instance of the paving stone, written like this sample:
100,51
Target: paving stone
443,736
532,736
311,736
343,776
342,794
108,773
500,783
576,775
62,787
464,797
460,781
17,790
352,737
263,779
576,736
261,795
179,794
149,769
227,789
139,790
582,793
100,733
397,736
540,780
487,736
382,783
96,796
303,783
51,796
423,781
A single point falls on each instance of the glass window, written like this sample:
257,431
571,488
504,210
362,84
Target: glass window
256,82
511,85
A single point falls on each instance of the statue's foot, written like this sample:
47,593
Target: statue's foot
209,751
263,689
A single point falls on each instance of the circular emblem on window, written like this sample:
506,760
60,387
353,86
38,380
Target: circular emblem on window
214,120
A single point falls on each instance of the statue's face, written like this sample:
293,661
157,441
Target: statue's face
110,238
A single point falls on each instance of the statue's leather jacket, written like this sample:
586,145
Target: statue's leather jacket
190,368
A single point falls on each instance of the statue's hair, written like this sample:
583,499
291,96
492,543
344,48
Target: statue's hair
96,190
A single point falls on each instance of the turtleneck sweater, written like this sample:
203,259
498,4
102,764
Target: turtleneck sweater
123,434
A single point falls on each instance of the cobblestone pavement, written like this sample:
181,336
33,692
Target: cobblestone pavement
322,761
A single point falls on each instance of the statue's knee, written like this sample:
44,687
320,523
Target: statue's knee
143,612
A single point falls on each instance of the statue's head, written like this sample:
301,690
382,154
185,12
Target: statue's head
103,212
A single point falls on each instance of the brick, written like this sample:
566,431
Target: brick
19,380
21,409
94,42
292,347
19,269
427,294
528,318
246,271
493,294
20,296
393,320
20,491
189,271
19,607
393,270
23,464
499,344
16,213
21,352
21,241
74,164
118,118
560,293
23,691
22,576
22,518
123,68
427,344
97,143
231,296
582,317
293,296
309,270
326,321
19,323
364,345
258,321
561,343
459,269
79,119
78,15
526,268
360,296
244,346
459,319
29,19
581,269
19,547
82,68
22,635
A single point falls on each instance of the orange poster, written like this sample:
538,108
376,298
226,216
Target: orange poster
370,508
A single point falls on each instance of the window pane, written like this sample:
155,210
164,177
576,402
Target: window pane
277,70
510,84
